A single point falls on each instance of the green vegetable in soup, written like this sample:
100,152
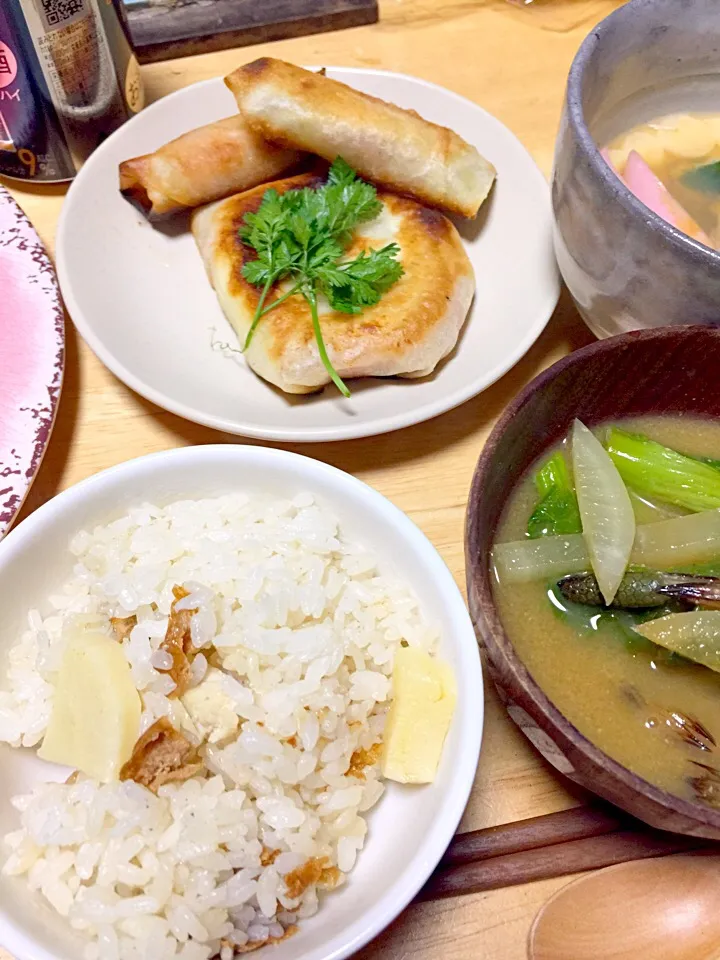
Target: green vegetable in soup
654,470
694,635
705,179
709,569
557,509
608,518
665,545
610,623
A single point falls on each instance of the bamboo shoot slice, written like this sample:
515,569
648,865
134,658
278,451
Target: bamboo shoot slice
95,718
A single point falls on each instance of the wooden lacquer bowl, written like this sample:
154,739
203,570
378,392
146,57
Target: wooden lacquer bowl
668,370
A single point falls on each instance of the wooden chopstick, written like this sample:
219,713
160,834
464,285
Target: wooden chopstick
553,846
574,824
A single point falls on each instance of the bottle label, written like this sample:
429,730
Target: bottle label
67,80
78,68
32,145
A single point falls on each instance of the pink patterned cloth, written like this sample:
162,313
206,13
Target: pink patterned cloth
32,341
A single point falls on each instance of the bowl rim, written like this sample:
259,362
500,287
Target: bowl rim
479,580
19,940
648,220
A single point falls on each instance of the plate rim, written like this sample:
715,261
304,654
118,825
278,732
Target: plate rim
316,434
43,434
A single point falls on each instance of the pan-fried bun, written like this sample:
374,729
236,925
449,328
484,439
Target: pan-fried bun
415,324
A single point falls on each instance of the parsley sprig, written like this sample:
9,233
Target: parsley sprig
301,236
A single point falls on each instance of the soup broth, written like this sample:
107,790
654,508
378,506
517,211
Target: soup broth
674,147
616,687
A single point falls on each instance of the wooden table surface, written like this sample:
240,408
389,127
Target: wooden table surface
514,62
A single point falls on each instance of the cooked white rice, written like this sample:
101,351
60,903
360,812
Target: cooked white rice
304,627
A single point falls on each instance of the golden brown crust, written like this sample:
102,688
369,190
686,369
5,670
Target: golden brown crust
392,147
414,325
161,755
203,165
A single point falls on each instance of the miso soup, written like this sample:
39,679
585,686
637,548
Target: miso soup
652,709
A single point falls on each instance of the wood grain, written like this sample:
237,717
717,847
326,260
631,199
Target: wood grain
167,32
504,59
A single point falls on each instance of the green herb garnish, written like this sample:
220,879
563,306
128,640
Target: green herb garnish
302,235
557,510
705,178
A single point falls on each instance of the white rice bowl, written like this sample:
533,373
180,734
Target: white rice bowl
305,582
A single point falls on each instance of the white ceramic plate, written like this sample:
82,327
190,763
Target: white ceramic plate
139,295
410,827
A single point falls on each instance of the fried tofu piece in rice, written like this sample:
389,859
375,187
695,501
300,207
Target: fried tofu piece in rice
363,758
314,872
162,755
178,643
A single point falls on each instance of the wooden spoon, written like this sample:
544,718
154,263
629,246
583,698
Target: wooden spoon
663,909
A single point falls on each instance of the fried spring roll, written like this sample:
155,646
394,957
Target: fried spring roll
206,164
393,147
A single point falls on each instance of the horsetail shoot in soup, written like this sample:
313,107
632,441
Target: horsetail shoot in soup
607,579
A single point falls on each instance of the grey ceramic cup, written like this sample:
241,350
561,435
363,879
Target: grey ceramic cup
625,267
